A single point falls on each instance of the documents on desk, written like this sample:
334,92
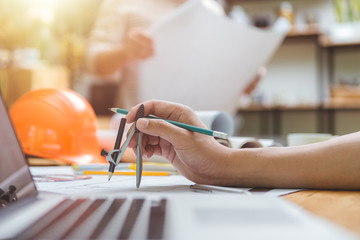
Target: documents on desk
200,215
172,184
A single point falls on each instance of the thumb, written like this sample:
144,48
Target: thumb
163,129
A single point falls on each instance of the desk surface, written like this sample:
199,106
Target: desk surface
341,207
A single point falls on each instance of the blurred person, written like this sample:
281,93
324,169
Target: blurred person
119,41
333,164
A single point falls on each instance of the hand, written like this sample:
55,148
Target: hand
137,45
198,157
252,85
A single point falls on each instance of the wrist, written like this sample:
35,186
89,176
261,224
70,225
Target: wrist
228,168
240,167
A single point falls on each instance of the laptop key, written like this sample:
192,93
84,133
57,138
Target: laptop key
157,220
85,215
131,218
48,231
114,207
43,222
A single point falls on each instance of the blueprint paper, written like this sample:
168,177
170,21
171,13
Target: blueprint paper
204,60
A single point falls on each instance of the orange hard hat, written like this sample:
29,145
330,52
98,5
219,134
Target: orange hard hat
57,124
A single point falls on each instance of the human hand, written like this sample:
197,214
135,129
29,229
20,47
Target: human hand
137,45
252,85
198,157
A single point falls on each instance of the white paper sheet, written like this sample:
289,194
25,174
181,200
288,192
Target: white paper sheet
99,184
204,60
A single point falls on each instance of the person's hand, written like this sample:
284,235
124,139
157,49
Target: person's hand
252,85
137,45
198,157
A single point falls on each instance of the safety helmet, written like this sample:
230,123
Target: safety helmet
57,124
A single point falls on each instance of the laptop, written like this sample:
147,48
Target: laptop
26,213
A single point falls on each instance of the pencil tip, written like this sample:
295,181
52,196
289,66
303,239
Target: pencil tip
110,175
112,109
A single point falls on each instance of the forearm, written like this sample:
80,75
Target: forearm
333,164
108,62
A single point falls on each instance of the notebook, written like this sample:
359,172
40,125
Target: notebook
26,213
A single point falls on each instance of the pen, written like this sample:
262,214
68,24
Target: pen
182,125
94,172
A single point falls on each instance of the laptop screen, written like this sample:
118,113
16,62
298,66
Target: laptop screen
15,178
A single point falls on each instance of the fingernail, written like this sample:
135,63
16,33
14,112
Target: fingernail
142,123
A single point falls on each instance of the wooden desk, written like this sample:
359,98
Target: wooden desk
341,207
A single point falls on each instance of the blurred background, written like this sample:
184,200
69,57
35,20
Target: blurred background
42,43
312,82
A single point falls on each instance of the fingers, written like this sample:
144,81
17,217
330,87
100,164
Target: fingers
151,146
167,131
147,140
157,108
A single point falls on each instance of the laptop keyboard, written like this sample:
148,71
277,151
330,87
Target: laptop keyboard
88,219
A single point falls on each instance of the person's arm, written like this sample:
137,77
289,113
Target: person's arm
333,164
137,45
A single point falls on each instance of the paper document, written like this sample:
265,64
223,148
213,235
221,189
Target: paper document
175,184
204,60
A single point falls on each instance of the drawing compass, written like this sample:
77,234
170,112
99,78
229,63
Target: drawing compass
114,156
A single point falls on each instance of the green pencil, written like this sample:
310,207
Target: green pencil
182,125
